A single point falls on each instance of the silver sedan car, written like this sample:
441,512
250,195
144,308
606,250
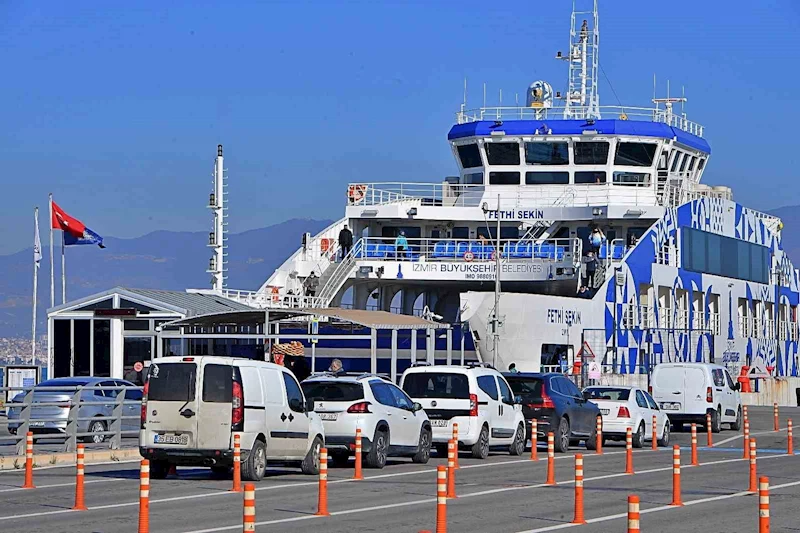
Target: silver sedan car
58,413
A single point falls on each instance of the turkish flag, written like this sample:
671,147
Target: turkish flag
61,220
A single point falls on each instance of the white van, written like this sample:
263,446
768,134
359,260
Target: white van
478,398
689,391
193,406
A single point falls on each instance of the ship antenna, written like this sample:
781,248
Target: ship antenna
582,99
218,240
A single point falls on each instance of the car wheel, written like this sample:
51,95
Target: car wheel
591,442
424,447
664,440
518,445
562,437
159,469
376,458
96,428
480,450
716,420
256,464
736,426
338,459
310,464
638,437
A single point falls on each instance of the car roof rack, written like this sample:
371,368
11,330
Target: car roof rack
473,364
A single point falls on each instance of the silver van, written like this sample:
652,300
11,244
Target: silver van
193,406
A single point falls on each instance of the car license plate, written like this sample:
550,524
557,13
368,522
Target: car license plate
670,406
439,423
171,439
604,411
328,416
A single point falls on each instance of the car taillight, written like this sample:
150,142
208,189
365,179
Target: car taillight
709,395
144,402
623,412
359,408
649,389
545,403
473,405
237,407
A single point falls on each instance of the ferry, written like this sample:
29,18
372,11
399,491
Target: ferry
573,233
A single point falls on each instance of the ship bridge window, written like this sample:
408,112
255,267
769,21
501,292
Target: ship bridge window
547,178
504,178
469,155
506,232
502,153
635,154
701,165
686,158
547,153
675,159
632,179
591,153
476,178
590,177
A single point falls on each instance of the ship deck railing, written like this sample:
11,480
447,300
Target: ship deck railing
467,250
447,194
275,300
651,114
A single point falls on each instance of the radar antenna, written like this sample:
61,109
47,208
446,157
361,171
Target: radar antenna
582,100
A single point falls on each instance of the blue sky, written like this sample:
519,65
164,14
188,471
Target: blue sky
117,108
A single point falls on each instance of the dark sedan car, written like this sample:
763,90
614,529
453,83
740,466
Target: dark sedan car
558,405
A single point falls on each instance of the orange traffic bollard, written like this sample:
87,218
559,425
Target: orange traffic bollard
80,503
441,499
28,484
744,412
775,424
534,439
746,443
628,451
654,444
763,505
237,464
753,469
599,437
708,429
633,514
358,474
249,514
676,476
579,519
695,462
789,438
144,496
455,439
551,459
451,469
322,502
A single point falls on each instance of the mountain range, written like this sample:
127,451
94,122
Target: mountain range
177,260
170,260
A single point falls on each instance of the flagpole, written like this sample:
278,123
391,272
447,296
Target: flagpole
63,271
35,283
52,258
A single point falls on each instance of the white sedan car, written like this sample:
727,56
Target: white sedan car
629,407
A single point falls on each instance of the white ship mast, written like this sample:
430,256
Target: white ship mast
218,239
582,100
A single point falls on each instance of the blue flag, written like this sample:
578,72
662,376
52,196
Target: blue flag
89,237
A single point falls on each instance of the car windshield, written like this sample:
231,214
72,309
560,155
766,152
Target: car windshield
437,385
333,391
607,393
528,388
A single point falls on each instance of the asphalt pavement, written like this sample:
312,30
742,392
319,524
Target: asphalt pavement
501,494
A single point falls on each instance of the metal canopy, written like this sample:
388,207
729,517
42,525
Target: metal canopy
368,319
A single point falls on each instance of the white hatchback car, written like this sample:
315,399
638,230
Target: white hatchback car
478,398
391,424
629,407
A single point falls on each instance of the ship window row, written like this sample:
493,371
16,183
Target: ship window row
634,154
544,177
710,253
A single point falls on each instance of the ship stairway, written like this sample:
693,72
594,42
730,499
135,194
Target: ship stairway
335,276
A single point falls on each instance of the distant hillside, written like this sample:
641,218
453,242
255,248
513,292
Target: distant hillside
159,260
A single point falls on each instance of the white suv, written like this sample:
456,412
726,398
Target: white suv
391,424
478,398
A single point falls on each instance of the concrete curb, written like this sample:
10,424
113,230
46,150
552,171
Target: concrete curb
17,462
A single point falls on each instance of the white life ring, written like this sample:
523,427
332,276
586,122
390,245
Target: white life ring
275,296
356,193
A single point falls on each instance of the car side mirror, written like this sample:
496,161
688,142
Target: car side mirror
518,400
416,406
296,405
737,386
310,406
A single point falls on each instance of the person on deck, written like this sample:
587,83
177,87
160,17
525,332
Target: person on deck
401,246
345,240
